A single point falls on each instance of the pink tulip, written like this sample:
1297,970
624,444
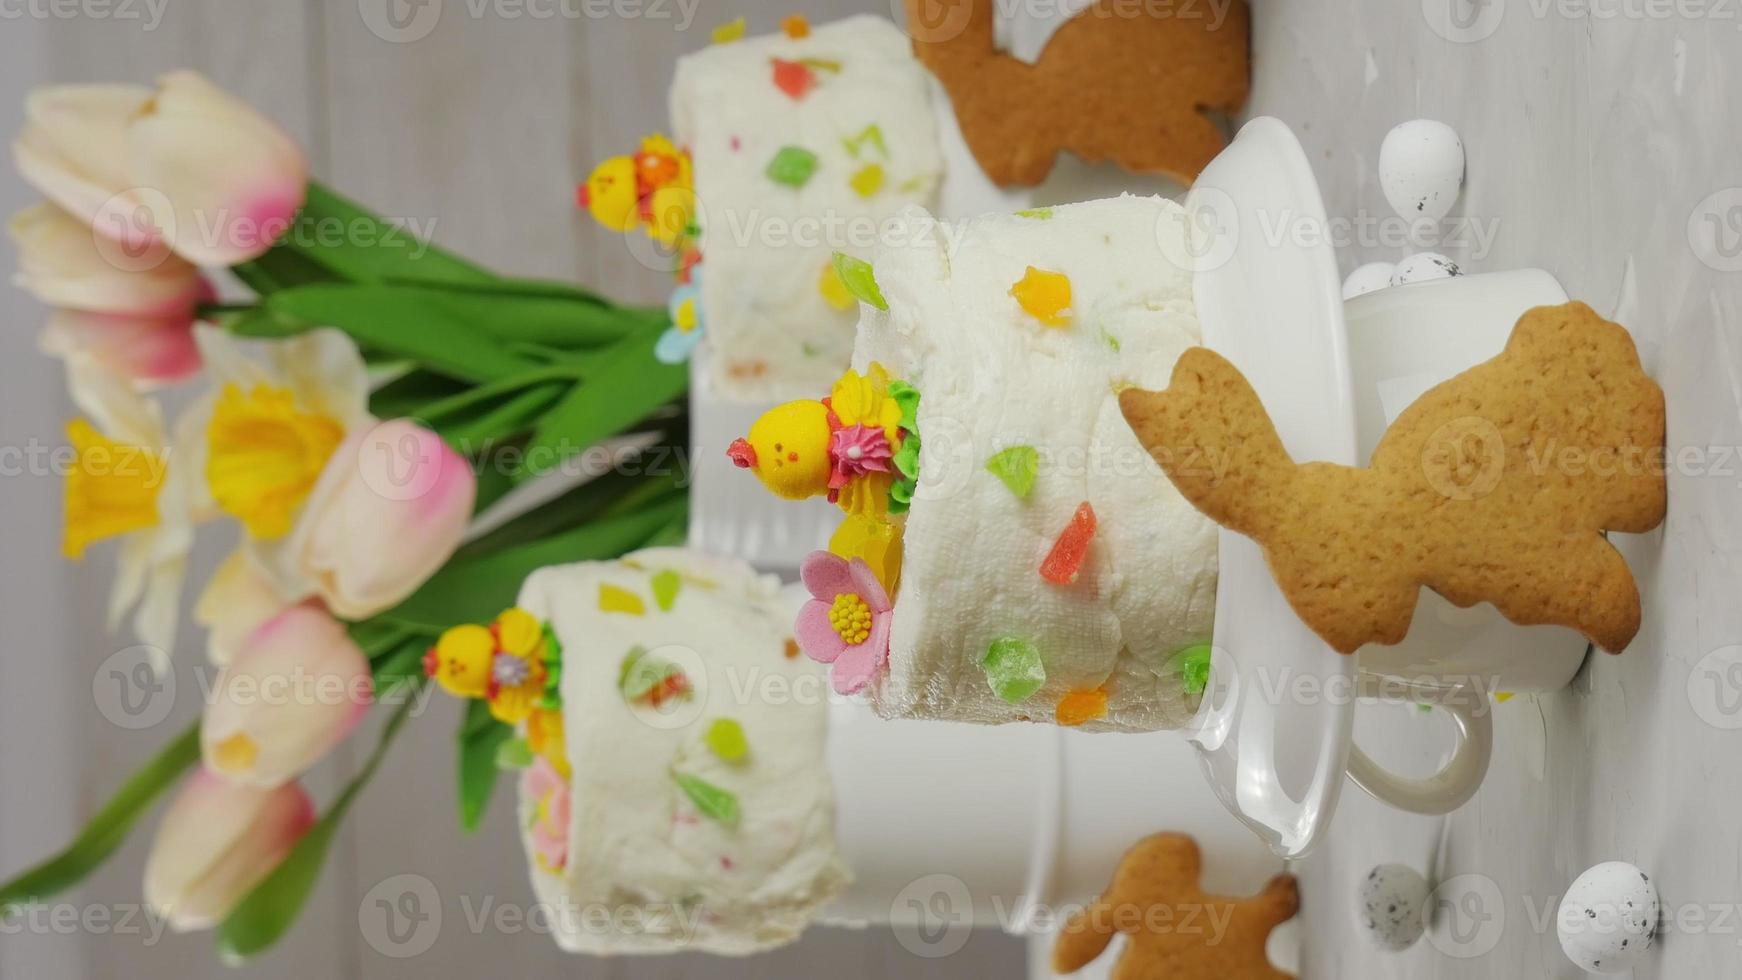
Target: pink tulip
64,263
294,690
217,841
227,180
389,509
74,149
149,351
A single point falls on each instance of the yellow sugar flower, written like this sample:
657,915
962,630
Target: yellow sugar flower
863,399
111,490
544,735
265,455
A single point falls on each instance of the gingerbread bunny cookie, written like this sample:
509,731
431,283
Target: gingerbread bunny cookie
1496,485
1174,930
1117,82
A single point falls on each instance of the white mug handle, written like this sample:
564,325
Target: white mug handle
1456,782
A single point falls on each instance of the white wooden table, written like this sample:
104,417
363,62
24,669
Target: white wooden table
1595,144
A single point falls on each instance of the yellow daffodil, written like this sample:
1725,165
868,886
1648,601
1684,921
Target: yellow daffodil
124,483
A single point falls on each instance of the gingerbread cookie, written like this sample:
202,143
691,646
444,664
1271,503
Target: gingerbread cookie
1174,930
1117,82
1495,485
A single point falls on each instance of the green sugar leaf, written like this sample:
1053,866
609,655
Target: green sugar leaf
1016,468
714,803
792,166
1013,669
1038,214
857,276
666,585
872,136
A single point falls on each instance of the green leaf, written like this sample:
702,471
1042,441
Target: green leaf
414,324
613,494
474,591
107,830
1016,468
267,913
412,391
714,803
263,324
282,267
481,738
618,388
355,244
860,280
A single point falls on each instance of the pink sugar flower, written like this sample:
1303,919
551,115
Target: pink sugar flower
855,450
549,793
846,622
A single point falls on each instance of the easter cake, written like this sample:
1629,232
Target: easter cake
675,793
1009,552
787,147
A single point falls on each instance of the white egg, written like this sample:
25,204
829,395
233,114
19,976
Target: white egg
1373,275
1608,918
1393,897
1421,168
1423,266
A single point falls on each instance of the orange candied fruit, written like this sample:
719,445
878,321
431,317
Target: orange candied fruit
1065,560
1044,295
796,26
1079,707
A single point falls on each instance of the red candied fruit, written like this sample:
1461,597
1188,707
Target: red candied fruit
1065,559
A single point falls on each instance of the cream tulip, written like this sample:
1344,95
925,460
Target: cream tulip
65,264
75,149
146,351
390,508
296,687
218,840
226,180
238,600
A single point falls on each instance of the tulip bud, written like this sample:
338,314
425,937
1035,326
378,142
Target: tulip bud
226,181
218,840
294,690
389,509
239,598
144,350
74,149
65,264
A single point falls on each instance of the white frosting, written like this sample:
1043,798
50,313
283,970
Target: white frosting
991,376
646,872
764,244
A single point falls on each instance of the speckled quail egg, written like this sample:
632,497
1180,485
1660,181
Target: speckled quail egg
1608,918
1367,278
1421,168
1423,266
1393,900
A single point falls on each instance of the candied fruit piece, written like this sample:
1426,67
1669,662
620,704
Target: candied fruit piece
792,166
1013,669
795,78
613,598
1044,295
1016,468
1065,560
1080,707
725,738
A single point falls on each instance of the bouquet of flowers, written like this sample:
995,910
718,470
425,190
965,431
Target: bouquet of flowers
362,411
